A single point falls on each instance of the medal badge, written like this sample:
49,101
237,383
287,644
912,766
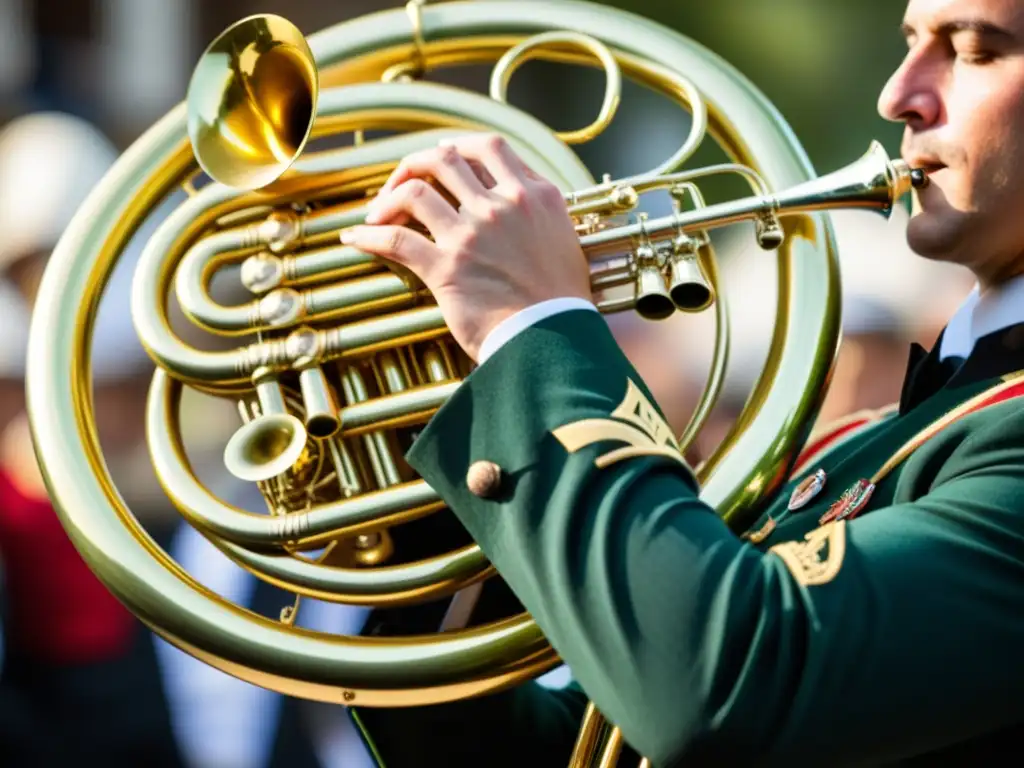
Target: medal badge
808,488
856,498
850,504
762,533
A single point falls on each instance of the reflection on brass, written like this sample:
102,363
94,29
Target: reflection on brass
363,551
318,402
337,359
269,444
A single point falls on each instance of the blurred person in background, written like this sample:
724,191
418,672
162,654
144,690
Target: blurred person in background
79,666
82,675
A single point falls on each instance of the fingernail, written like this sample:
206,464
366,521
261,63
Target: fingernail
347,236
371,216
446,143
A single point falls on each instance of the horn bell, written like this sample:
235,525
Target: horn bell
251,102
265,447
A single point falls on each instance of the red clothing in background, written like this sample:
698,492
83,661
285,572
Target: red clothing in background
58,610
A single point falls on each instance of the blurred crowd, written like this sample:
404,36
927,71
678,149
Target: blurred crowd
78,675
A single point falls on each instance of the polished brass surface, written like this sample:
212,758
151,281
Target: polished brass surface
251,102
338,359
265,448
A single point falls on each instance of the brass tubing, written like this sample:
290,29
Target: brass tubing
212,515
375,547
163,251
719,359
394,380
437,372
384,332
612,750
396,585
344,467
613,278
637,185
681,88
355,295
366,160
271,400
377,449
428,397
873,182
302,267
610,306
591,738
287,308
193,272
321,409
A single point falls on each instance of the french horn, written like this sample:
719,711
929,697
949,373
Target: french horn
341,358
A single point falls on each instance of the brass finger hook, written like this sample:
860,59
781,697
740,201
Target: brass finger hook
416,67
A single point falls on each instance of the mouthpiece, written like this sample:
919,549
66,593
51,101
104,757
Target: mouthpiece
918,178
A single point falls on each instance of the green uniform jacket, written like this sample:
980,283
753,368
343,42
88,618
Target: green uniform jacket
872,641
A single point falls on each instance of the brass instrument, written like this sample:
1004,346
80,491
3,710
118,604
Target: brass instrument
340,357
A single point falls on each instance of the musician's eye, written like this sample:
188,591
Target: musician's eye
976,58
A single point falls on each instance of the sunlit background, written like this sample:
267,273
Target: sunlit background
122,64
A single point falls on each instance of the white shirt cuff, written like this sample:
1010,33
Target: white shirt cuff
511,326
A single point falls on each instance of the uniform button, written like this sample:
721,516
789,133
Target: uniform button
483,478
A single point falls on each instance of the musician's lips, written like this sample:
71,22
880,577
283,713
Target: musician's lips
928,165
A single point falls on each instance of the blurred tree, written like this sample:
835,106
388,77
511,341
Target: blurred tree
822,64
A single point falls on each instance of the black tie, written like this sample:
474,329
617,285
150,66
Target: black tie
926,375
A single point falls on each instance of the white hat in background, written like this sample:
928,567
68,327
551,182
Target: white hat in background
14,336
49,163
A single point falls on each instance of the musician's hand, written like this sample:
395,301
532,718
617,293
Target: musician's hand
510,244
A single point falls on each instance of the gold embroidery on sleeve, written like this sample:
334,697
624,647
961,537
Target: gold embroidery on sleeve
817,559
638,410
635,422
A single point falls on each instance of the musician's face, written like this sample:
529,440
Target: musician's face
960,93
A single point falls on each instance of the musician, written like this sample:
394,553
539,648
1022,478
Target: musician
857,623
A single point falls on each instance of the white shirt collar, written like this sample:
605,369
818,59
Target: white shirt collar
982,314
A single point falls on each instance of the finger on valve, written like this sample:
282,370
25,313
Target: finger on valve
418,200
441,165
495,154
